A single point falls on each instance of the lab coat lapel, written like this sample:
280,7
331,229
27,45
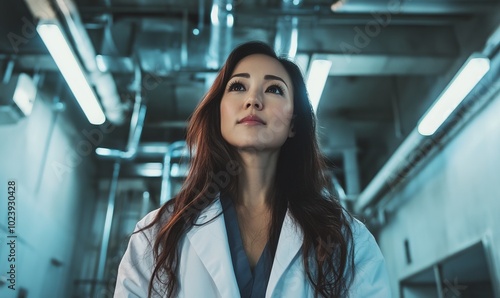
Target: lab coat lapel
210,242
289,244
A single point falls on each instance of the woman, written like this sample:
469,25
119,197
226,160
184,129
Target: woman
254,217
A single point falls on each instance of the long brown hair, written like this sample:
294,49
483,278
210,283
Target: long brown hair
300,187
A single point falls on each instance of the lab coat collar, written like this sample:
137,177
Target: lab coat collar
210,242
209,239
289,244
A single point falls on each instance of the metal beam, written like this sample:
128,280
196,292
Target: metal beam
383,65
321,14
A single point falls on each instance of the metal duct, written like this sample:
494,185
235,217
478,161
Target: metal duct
103,82
175,150
222,21
9,68
286,40
134,137
136,126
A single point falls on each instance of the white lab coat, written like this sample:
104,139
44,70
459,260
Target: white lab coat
206,270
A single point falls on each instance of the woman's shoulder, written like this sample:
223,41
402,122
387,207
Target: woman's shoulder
359,230
152,221
364,241
138,262
370,278
148,218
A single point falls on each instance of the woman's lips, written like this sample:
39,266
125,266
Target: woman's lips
252,120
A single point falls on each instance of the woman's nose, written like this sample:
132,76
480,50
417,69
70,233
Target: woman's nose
254,101
257,105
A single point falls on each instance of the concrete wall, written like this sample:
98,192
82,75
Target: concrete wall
54,190
451,203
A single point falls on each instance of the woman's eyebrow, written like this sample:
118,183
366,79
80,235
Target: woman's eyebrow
266,77
241,75
272,77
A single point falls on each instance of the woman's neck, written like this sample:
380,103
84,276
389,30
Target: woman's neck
256,181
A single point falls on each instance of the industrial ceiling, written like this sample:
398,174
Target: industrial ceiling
390,59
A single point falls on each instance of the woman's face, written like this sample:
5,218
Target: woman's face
257,106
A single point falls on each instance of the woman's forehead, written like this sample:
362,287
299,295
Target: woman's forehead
262,64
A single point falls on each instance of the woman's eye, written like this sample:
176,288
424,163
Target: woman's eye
236,87
275,89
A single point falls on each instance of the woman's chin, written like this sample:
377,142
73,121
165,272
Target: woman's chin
258,147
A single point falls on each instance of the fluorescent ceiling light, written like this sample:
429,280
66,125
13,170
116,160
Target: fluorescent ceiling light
460,86
71,70
25,93
316,79
214,14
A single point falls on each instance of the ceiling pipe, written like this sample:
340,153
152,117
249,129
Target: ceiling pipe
436,8
201,15
184,44
103,82
175,150
136,126
136,123
222,20
134,138
286,39
9,68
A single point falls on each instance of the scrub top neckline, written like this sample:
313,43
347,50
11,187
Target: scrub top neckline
252,283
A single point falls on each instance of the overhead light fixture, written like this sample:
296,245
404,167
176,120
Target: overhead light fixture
316,79
214,14
16,98
460,86
337,5
25,93
71,70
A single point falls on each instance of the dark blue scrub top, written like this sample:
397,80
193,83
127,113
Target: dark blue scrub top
251,284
